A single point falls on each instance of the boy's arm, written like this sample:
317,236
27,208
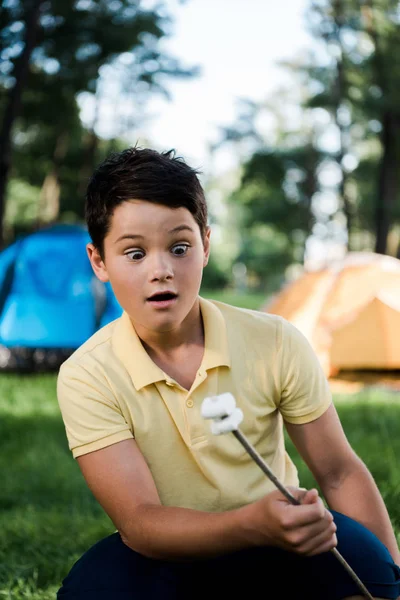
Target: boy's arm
345,481
122,483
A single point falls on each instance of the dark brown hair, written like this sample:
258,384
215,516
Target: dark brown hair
141,174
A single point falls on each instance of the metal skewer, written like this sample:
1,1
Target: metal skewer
226,418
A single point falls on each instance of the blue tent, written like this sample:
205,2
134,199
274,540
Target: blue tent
50,300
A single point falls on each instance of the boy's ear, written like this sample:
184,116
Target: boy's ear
206,244
97,263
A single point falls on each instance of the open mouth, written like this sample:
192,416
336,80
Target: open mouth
162,300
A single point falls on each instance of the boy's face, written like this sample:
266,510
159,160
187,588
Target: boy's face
151,250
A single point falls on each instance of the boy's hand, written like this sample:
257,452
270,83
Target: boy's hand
306,529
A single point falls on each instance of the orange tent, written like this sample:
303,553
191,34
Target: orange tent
350,312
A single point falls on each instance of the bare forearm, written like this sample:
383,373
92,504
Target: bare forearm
177,533
357,496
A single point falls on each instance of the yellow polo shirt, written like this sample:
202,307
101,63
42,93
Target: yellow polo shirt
110,390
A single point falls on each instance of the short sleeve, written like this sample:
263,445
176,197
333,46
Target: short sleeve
305,390
90,411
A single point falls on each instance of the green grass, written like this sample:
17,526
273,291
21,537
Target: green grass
48,517
371,421
246,300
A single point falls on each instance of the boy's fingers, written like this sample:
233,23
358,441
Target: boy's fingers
303,495
305,514
310,510
310,497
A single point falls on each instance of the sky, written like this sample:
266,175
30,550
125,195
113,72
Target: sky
237,44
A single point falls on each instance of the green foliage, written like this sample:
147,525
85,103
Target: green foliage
271,195
253,300
274,200
44,498
348,86
213,276
370,420
75,41
360,78
266,252
23,204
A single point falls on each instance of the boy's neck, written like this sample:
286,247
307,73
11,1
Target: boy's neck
170,343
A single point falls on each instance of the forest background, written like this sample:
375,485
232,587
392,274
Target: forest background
323,174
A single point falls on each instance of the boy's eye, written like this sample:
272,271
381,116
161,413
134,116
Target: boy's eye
135,254
180,249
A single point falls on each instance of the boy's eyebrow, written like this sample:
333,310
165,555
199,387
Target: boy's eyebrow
128,236
181,228
132,236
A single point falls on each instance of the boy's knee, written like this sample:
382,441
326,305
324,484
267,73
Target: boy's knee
369,558
361,548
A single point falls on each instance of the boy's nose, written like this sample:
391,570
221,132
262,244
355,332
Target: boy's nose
161,270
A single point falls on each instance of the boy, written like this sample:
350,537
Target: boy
192,510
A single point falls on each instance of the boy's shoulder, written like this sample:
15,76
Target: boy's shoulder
97,348
238,316
256,326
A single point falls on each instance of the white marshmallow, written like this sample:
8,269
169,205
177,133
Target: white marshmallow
227,424
223,412
219,406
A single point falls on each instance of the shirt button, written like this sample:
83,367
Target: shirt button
189,403
170,383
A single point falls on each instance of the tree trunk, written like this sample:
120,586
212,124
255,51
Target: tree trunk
13,105
343,186
389,181
340,95
90,149
92,142
49,208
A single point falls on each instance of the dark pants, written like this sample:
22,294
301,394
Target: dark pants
111,571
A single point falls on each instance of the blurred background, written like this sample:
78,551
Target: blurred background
291,115
291,111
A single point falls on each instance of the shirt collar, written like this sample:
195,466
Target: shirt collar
216,350
143,371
